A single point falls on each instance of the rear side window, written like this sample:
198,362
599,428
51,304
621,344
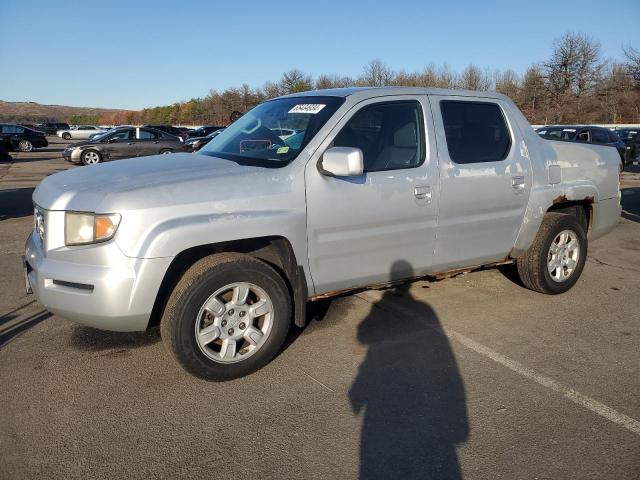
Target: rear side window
476,132
12,129
390,135
146,134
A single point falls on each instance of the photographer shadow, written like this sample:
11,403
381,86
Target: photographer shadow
410,390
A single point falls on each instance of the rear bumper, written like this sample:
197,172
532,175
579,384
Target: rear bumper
118,297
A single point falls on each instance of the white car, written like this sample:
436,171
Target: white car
81,132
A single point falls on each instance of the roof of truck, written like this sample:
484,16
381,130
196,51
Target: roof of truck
385,91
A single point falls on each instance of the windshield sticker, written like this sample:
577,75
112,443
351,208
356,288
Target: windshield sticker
282,150
307,108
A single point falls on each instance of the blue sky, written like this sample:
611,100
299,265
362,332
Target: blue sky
125,54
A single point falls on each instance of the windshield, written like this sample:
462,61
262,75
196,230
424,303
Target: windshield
273,133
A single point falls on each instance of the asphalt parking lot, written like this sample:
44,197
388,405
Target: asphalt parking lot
471,377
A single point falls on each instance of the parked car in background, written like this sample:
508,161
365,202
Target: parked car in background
80,132
196,143
123,142
632,140
203,131
386,185
588,134
52,128
175,131
185,130
21,138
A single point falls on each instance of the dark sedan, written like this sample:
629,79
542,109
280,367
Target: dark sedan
588,134
21,138
52,128
203,131
170,129
196,143
123,142
632,140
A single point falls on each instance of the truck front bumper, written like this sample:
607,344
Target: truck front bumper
119,296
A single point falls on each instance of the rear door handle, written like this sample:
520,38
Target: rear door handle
422,192
518,183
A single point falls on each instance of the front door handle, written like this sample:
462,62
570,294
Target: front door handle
518,183
422,192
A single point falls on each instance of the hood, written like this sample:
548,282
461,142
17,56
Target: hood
153,182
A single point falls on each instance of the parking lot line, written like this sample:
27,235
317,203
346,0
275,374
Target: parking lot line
584,401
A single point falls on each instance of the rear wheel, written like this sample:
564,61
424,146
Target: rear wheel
25,146
165,151
557,256
227,317
90,157
66,136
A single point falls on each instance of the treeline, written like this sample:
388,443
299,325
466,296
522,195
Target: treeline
574,85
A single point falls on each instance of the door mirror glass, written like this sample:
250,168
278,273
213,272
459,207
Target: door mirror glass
342,162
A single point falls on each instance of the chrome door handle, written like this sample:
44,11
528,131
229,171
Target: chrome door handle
422,191
518,183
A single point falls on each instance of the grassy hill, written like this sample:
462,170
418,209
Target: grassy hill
37,112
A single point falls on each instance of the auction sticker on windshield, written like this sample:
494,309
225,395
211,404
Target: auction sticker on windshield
307,108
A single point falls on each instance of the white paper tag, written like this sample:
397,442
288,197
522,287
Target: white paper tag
307,108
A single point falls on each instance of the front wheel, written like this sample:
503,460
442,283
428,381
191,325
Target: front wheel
90,157
25,146
557,256
166,151
227,317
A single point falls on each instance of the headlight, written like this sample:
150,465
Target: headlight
85,228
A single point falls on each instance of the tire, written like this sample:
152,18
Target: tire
25,146
165,151
185,320
535,267
90,157
66,136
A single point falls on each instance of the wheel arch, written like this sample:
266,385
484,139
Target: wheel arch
276,251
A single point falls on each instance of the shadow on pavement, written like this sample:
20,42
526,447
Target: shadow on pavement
631,204
16,203
10,330
91,339
411,392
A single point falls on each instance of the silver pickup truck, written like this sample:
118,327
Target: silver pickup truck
370,186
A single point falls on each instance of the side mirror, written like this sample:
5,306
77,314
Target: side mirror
342,162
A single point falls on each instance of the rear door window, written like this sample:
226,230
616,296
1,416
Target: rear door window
476,132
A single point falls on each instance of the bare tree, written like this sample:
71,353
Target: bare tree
632,63
508,82
572,71
376,74
533,95
473,78
334,81
295,81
